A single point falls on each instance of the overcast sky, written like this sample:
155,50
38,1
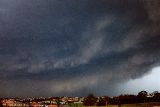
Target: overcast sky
76,47
148,83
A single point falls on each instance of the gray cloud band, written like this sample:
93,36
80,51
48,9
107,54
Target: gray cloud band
96,43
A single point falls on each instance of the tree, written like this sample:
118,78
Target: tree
1,103
156,96
142,96
101,102
90,100
127,99
58,101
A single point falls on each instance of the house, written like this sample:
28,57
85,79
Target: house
12,102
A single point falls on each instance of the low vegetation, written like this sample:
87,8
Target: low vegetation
143,99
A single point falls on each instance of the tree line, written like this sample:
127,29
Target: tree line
141,97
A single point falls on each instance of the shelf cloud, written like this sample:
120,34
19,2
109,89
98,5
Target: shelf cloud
73,48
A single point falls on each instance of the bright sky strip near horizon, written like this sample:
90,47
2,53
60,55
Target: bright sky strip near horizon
76,47
149,83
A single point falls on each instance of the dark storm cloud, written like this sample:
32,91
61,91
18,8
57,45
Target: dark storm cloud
75,47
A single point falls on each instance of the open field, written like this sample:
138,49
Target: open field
156,104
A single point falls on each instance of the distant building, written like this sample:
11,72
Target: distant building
12,102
